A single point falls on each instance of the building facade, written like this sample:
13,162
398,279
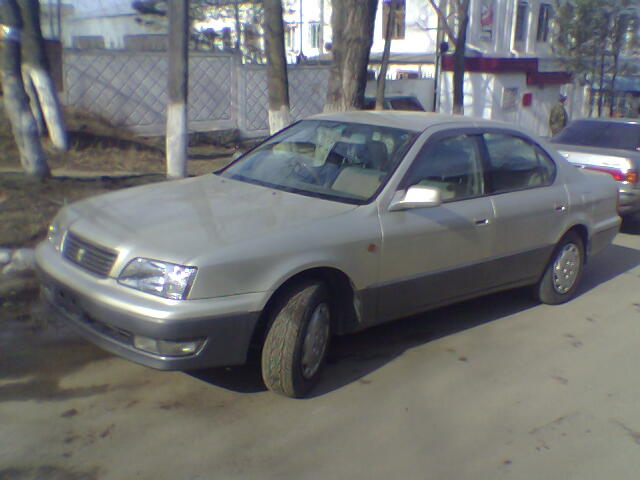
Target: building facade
511,74
510,70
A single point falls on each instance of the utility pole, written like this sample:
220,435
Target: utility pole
388,35
438,60
321,29
301,54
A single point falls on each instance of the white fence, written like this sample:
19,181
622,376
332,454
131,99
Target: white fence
130,90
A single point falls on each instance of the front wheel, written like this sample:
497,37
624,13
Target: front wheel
297,340
560,280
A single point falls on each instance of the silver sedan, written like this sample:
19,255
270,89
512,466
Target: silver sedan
609,145
338,223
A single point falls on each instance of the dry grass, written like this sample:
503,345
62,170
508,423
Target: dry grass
27,207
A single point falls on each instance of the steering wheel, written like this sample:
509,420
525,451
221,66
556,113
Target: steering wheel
300,166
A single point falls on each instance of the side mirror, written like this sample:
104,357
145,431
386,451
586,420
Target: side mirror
417,196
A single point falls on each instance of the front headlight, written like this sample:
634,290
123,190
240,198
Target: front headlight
158,278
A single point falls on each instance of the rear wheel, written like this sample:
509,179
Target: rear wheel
560,280
297,340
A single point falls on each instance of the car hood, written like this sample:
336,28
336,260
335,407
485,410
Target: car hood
179,220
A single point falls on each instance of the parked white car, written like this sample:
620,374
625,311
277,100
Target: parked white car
338,223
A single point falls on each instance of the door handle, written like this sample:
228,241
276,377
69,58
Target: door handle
560,208
482,221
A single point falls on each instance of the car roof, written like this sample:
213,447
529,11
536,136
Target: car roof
415,121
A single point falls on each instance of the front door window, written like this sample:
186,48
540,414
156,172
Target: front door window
451,164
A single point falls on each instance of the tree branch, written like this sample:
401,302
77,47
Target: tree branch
445,23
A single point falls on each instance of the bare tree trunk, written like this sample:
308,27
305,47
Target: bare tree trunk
352,24
382,76
177,127
16,100
278,86
459,58
35,68
321,29
613,109
601,86
34,103
236,13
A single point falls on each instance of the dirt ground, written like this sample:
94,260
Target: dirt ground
101,158
117,157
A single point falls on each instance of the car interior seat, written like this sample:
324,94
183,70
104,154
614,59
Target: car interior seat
358,182
448,168
378,155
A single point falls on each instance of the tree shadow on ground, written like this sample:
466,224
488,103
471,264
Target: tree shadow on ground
354,356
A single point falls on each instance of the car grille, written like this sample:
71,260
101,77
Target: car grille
97,260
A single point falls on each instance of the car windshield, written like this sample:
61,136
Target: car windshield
348,162
625,136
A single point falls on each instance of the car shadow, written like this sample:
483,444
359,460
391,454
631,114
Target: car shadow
352,357
611,262
631,225
242,378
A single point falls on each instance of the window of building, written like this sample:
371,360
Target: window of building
289,35
521,22
314,34
400,14
544,15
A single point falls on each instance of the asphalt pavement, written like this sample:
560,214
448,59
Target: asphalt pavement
498,387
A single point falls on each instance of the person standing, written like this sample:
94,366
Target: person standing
558,117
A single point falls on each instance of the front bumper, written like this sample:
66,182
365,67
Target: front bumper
109,315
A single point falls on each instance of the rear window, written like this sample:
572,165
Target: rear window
625,136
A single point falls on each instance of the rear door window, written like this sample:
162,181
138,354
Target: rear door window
516,164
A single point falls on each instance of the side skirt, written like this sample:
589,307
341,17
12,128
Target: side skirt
393,300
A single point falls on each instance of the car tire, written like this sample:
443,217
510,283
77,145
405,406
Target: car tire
560,280
297,340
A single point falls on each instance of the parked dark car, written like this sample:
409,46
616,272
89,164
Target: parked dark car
398,102
606,145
